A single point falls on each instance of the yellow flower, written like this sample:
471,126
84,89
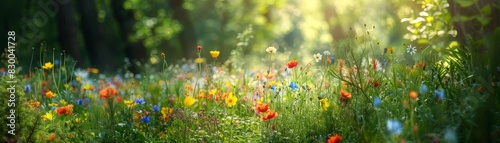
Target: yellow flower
166,110
189,101
199,60
78,78
390,49
86,86
63,102
129,103
48,116
48,66
66,85
231,100
49,94
215,54
94,70
77,120
212,92
53,104
324,103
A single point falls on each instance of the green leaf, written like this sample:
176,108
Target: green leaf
465,3
486,9
484,20
466,18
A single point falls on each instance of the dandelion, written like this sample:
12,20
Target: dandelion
271,50
215,54
48,66
411,50
50,94
262,107
140,101
292,64
48,116
145,119
324,104
376,101
326,53
189,101
439,93
423,89
413,95
334,139
394,126
231,100
156,108
317,57
269,115
293,86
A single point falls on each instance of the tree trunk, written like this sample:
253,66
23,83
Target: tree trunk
187,36
67,30
135,50
101,56
330,13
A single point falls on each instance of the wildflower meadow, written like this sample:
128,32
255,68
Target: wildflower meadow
429,86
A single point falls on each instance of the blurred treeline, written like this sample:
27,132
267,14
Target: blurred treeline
108,34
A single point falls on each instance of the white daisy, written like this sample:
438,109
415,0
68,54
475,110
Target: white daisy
317,57
411,50
271,50
326,53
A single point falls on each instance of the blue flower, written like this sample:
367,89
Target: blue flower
27,88
80,102
394,126
293,86
376,101
273,88
423,89
140,101
145,119
332,59
439,93
57,62
156,108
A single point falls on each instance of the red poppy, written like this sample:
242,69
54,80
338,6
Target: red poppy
292,64
376,84
199,48
345,94
269,115
262,107
334,139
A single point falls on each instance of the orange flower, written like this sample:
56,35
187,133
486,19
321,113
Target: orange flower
334,139
65,109
376,84
413,95
420,64
291,64
345,94
50,94
52,137
215,54
107,93
262,107
35,104
269,115
162,54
